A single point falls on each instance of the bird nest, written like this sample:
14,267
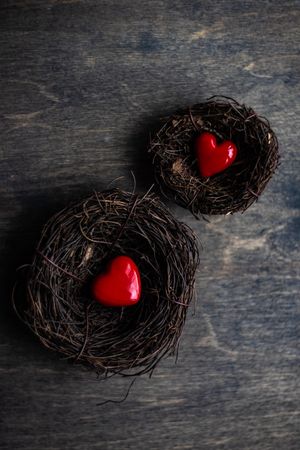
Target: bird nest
76,245
234,189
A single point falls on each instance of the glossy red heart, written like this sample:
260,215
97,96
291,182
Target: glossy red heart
212,157
120,285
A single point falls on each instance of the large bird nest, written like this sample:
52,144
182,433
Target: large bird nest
76,244
234,189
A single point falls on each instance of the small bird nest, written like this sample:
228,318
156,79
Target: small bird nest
234,189
75,246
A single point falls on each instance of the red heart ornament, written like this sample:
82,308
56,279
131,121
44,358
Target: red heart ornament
212,157
120,285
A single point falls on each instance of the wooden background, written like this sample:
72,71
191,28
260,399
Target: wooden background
81,84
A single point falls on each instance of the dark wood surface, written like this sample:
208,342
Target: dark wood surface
82,83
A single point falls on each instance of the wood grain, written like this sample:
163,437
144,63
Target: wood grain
82,83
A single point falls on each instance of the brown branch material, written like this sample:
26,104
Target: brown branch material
236,188
76,245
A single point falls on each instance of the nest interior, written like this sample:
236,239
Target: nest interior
234,189
76,245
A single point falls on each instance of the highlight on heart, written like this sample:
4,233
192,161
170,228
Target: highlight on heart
214,157
111,282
